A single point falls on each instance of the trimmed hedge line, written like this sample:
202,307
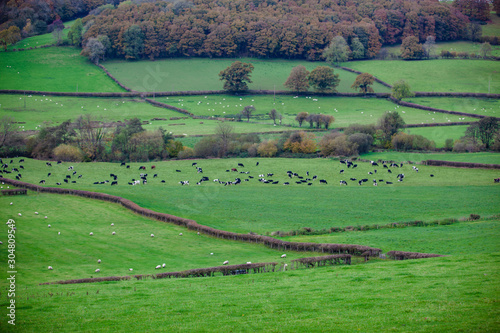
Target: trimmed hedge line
454,94
400,255
461,164
336,259
271,242
167,106
114,79
454,123
197,272
70,94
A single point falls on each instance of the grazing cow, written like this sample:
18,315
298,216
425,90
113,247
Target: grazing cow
42,181
497,180
373,163
286,183
353,179
194,164
153,167
142,167
65,180
257,164
122,163
341,171
241,165
80,176
343,182
21,160
432,175
388,183
234,170
155,175
322,181
114,183
177,170
128,166
270,174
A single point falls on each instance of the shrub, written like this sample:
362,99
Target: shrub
358,128
267,148
337,144
68,153
362,140
301,142
187,152
474,217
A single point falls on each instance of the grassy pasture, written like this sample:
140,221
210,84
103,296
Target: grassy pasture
203,74
482,157
40,40
285,208
53,69
436,75
439,134
459,46
481,106
346,110
493,27
451,293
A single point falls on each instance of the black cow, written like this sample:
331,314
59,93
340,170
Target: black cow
322,181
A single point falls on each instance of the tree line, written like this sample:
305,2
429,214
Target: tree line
293,29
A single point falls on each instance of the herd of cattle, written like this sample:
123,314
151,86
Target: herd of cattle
383,172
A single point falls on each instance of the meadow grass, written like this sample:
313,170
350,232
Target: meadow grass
439,134
285,208
441,75
482,157
493,27
346,110
482,106
452,293
53,69
203,74
456,46
40,40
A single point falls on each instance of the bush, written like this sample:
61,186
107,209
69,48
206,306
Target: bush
68,153
362,140
187,152
337,144
206,147
357,128
405,142
301,142
267,148
466,145
474,217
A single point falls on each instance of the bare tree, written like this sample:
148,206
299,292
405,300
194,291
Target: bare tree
9,138
273,114
224,133
247,111
90,136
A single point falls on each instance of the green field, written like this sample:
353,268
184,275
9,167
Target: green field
438,294
460,46
493,27
436,75
482,106
439,134
483,157
346,110
40,40
203,74
285,208
53,69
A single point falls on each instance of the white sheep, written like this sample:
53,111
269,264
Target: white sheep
211,254
59,233
46,217
249,262
130,269
48,226
158,267
97,270
112,224
113,233
225,262
98,261
1,242
11,202
163,265
36,213
19,214
198,233
91,234
180,234
152,235
283,256
50,268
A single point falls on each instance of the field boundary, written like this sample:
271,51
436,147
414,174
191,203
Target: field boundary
273,243
461,164
385,84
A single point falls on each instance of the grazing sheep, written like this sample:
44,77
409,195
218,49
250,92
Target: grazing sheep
98,261
58,232
198,232
249,262
180,234
225,262
97,270
1,242
36,213
211,254
113,233
46,217
283,256
19,214
163,265
48,226
158,267
50,268
130,269
152,235
112,224
11,203
91,234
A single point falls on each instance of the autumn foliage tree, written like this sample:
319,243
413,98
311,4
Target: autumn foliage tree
301,142
301,117
236,76
363,82
401,89
411,49
323,79
298,79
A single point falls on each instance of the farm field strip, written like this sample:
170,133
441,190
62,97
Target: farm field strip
455,75
196,74
228,208
489,107
481,157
